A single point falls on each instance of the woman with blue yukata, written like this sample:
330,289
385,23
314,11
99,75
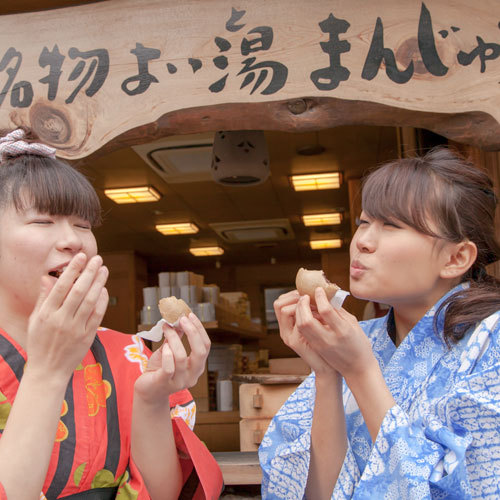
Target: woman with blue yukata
406,406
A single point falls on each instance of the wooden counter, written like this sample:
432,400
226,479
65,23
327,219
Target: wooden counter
239,467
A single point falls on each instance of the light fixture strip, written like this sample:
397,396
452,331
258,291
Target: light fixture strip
178,228
206,251
310,182
324,244
329,219
139,194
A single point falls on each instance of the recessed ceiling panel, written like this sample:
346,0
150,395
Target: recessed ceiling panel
180,158
254,231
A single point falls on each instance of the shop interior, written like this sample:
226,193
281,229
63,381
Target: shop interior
262,237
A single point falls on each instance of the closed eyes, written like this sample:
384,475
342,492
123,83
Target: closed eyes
391,224
360,222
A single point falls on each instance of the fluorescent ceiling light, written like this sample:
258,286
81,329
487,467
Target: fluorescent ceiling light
179,228
330,219
311,182
205,251
322,244
139,194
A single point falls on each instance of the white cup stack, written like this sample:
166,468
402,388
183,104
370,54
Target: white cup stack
187,286
205,312
210,293
150,313
167,279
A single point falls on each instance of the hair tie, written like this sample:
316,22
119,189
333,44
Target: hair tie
13,144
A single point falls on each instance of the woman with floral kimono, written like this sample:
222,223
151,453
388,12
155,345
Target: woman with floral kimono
85,413
406,406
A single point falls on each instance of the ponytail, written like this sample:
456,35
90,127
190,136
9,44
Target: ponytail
466,308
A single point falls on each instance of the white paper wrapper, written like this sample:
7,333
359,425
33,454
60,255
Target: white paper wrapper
338,299
156,333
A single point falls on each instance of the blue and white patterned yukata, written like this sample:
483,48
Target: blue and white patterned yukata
440,440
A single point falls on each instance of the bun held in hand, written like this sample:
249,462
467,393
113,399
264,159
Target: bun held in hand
307,281
172,308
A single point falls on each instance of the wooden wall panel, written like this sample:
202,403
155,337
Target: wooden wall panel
491,162
354,188
127,277
219,430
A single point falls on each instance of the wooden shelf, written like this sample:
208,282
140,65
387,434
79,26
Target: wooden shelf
226,332
219,329
268,378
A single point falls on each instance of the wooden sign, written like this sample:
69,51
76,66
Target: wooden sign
128,71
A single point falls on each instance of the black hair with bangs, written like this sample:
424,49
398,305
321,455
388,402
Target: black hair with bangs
48,185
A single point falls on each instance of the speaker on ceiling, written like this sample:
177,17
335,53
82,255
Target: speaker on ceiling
240,158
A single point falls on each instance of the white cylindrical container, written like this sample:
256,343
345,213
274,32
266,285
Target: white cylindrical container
205,312
150,315
189,293
224,395
211,294
166,279
183,278
150,296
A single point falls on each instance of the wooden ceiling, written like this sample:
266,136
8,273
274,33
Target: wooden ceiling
352,150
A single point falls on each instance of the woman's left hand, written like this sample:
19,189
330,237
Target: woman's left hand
170,368
335,335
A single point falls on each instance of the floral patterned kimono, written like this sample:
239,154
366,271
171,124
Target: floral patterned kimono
92,446
440,440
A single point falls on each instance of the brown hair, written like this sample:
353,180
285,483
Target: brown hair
445,189
48,185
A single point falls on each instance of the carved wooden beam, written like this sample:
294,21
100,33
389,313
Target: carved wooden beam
121,72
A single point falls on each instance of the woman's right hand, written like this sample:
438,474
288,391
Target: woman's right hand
66,316
285,307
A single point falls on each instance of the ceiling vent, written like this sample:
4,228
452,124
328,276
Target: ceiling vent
254,231
180,158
